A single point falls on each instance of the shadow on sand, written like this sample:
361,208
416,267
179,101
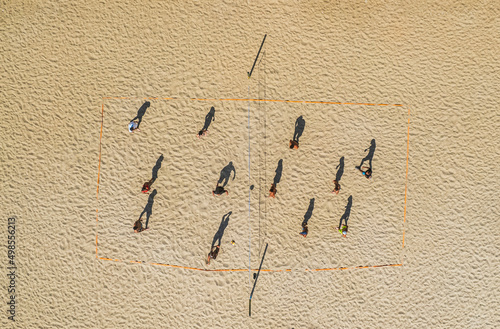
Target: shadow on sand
220,232
347,212
340,170
309,212
156,168
278,171
209,118
141,112
148,209
300,124
225,174
369,156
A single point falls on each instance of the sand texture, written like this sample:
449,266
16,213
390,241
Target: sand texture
412,86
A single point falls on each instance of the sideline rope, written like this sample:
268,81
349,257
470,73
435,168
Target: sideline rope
406,179
98,179
244,269
254,100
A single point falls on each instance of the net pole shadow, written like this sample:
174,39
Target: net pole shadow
255,282
256,57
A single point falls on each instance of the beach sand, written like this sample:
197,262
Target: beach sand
420,79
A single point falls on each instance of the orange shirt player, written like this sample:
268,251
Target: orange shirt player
272,191
146,187
336,189
294,145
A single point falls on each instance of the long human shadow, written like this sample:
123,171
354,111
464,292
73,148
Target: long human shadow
278,171
141,112
209,118
225,174
309,212
340,170
148,209
369,156
300,124
220,232
347,212
155,169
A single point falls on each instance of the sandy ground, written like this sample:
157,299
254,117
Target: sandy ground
68,68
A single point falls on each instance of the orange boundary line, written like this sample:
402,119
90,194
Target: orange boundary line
254,100
98,180
257,100
245,269
406,179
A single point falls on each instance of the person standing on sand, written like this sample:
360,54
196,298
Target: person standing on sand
294,145
272,191
219,190
133,126
336,189
343,230
138,226
305,229
213,253
367,173
202,133
147,186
